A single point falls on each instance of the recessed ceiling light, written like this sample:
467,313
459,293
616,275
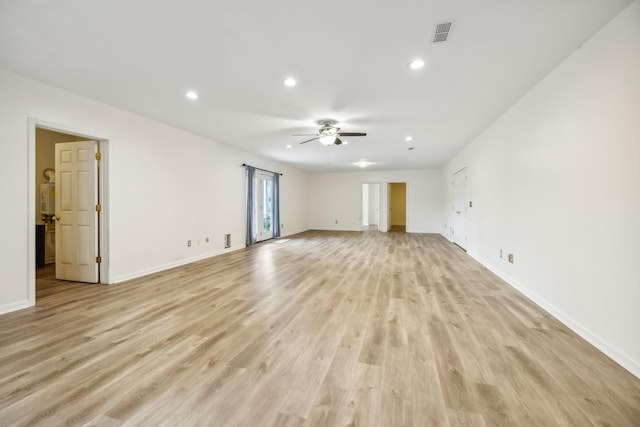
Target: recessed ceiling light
362,164
191,95
409,138
416,64
290,82
288,145
344,142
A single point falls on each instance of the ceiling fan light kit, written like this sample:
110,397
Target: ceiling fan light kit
327,139
329,134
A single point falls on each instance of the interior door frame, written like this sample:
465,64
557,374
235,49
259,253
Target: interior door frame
103,191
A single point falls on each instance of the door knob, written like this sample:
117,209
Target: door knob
57,218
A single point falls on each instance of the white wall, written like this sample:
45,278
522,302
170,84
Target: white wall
338,197
556,182
166,186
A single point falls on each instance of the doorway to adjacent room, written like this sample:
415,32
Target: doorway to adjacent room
67,221
398,206
371,206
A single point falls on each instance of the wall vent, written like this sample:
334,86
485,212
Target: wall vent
442,32
227,241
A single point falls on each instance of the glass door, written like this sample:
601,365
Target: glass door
264,206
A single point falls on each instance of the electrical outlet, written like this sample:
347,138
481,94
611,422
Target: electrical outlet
188,243
500,253
336,221
198,242
281,225
511,258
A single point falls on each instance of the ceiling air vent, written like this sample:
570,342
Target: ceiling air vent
442,31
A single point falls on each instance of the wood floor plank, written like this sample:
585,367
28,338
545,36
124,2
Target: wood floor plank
319,329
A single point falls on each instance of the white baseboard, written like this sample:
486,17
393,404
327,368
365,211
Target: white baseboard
14,306
611,351
156,269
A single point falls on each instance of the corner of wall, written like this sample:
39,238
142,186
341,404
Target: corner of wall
145,272
601,344
15,306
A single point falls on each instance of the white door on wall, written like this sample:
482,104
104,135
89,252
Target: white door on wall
76,211
374,204
460,208
365,206
265,206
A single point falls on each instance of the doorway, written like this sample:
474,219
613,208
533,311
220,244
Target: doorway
459,208
370,206
67,198
398,206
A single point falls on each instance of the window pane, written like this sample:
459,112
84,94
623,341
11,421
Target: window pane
268,204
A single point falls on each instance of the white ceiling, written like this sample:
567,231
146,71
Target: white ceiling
349,57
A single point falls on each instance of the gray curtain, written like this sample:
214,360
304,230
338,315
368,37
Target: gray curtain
276,205
252,231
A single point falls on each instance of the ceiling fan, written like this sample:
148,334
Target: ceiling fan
329,134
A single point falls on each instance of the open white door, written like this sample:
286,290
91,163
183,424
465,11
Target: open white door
374,204
77,211
365,206
460,208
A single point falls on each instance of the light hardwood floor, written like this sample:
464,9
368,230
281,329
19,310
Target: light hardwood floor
321,329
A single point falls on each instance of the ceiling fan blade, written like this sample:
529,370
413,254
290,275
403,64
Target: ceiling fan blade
352,134
338,141
305,134
309,140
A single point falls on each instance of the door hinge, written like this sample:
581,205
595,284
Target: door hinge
98,156
98,208
98,259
